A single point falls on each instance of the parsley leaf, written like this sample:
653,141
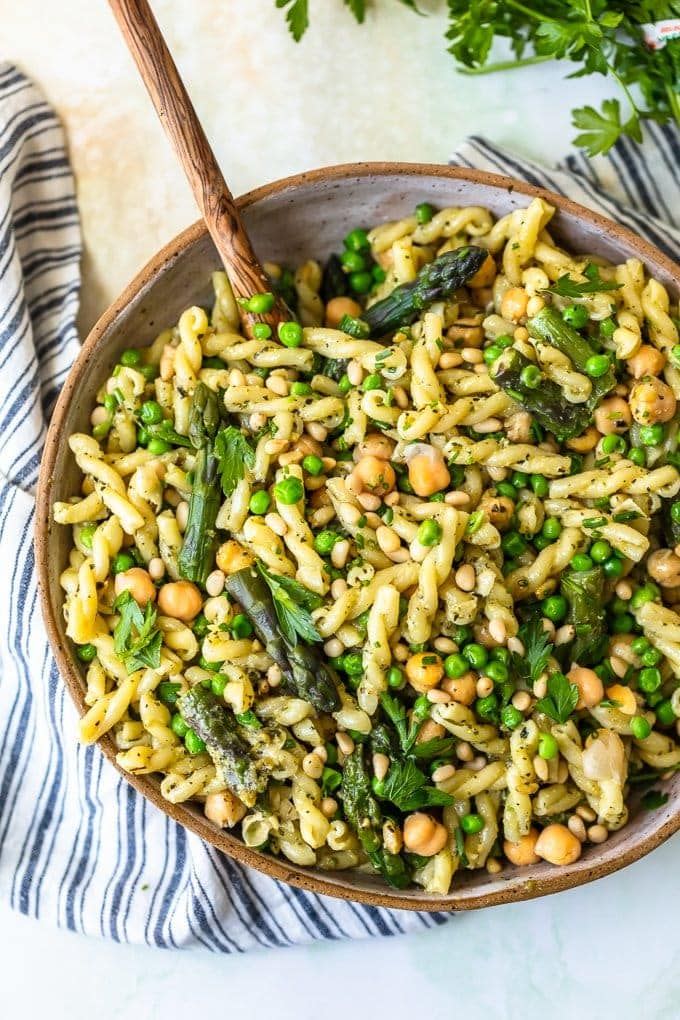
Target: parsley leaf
561,699
293,604
601,129
566,286
437,747
235,454
409,790
136,639
297,16
654,799
395,711
537,651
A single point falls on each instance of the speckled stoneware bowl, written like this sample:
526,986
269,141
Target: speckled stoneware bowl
289,221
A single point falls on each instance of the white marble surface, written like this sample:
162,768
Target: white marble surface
385,91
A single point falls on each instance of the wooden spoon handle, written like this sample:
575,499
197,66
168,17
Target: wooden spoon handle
178,117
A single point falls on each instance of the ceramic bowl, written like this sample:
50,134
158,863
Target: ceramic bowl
289,221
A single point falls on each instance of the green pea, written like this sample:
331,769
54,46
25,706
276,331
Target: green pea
511,717
552,528
613,444
476,655
597,365
395,678
547,746
500,655
530,376
259,304
360,283
86,653
513,544
168,692
424,212
102,430
581,562
540,486
651,657
608,327
471,824
357,240
487,708
241,627
289,490
455,665
651,435
150,372
600,551
461,635
353,664
218,684
372,382
86,535
637,456
613,567
640,645
312,464
645,593
497,671
151,412
262,330
519,480
576,316
259,502
193,742
158,446
555,608
290,334
492,353
649,679
421,708
506,489
665,716
121,562
179,726
622,624
540,542
378,273
429,533
618,606
300,389
111,402
639,727
131,357
324,542
353,261
404,485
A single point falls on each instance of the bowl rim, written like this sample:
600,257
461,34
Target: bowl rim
463,898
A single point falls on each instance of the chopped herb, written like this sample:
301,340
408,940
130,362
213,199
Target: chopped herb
475,522
537,651
293,604
566,286
248,719
234,454
561,698
137,639
409,790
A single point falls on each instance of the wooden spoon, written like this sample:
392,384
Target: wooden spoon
182,126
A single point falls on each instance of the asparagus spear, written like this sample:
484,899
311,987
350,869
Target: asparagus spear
363,814
302,665
584,592
200,537
434,282
545,402
550,327
218,728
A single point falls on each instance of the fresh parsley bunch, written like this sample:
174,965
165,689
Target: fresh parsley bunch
600,36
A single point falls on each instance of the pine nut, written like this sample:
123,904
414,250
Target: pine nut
564,634
236,377
274,675
484,686
562,772
99,416
329,807
277,524
541,768
456,498
445,645
317,431
450,359
586,813
576,826
392,498
534,306
498,630
214,583
400,397
257,421
541,687
494,866
368,500
333,648
400,652
465,577
598,834
472,355
521,700
344,742
350,513
278,385
182,515
156,568
438,697
490,425
624,590
312,766
464,751
388,540
381,765
478,763
393,839
339,587
399,555
515,645
290,457
322,753
339,553
548,626
273,447
443,772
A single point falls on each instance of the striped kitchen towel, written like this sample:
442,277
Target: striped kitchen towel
78,846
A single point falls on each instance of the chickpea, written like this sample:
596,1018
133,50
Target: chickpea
423,835
339,306
590,687
374,445
647,361
485,275
424,671
232,557
514,303
138,582
613,415
651,401
558,845
585,443
224,809
374,474
663,566
180,599
428,473
462,689
523,852
430,730
499,510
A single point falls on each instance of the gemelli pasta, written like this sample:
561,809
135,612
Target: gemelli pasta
397,586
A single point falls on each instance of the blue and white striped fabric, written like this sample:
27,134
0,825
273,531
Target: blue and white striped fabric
78,846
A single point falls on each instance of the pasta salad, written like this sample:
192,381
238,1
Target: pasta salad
397,586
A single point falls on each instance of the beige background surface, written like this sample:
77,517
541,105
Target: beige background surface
387,90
